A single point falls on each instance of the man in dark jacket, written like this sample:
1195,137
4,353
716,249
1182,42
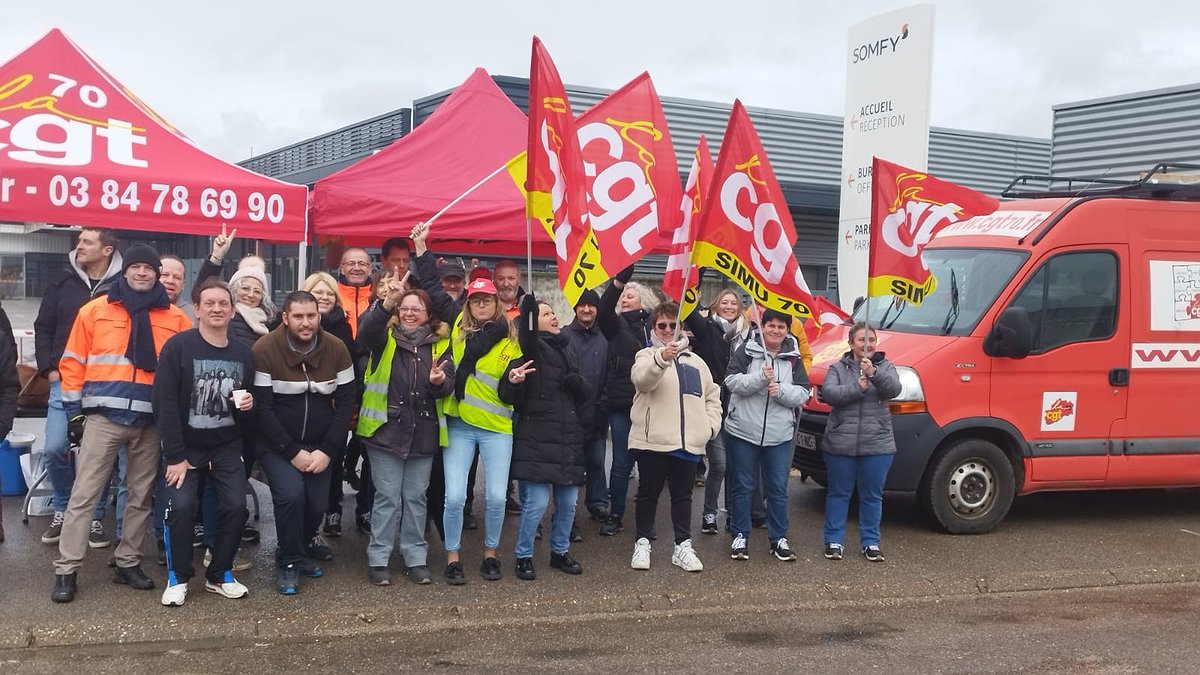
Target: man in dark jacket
304,391
94,265
589,349
202,438
10,385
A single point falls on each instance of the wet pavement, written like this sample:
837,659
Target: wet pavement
1049,542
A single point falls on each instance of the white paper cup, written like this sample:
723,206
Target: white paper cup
240,397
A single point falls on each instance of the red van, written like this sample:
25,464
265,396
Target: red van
1060,351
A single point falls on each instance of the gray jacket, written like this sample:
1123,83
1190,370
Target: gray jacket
860,423
754,416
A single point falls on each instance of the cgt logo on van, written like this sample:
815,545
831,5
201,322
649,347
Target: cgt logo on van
1058,410
880,47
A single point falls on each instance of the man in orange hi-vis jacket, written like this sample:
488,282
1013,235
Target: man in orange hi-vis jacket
107,373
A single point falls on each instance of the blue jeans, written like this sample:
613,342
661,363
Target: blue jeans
622,462
596,483
750,461
717,466
57,458
495,448
868,473
534,499
400,509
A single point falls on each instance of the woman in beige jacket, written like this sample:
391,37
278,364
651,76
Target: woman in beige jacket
676,412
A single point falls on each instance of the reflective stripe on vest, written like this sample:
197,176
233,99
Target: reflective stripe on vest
481,405
373,412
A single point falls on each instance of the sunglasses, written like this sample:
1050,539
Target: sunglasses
663,325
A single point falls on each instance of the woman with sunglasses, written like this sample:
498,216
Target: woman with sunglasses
482,342
676,412
546,389
624,318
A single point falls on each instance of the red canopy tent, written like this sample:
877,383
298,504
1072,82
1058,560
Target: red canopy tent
77,147
472,133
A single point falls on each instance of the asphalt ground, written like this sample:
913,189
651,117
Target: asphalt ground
1050,542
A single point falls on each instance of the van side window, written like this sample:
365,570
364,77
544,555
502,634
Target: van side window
1071,298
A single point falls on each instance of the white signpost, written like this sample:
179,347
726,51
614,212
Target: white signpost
889,65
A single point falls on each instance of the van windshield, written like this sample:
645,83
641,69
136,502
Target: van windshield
968,281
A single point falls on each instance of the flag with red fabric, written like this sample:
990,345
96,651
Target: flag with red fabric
825,316
556,192
631,179
746,233
908,208
683,235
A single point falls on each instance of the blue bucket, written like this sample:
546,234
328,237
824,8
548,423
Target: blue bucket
12,479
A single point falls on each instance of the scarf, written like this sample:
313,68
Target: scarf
412,338
255,318
138,304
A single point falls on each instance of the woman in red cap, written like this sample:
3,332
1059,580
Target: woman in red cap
482,342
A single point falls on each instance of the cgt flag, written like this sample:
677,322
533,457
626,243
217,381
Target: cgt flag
683,236
747,233
631,179
554,182
907,209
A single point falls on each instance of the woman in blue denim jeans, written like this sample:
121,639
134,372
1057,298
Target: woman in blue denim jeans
858,444
546,389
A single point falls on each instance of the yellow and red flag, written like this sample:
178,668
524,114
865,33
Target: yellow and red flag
631,179
746,233
683,235
825,315
907,209
555,189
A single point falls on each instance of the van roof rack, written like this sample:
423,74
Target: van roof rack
1164,181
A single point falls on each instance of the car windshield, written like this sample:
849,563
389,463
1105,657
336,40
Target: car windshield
968,281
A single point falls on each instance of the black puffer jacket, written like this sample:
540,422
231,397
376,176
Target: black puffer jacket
547,436
627,333
59,306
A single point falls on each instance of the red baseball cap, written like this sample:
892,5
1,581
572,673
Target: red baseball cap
481,286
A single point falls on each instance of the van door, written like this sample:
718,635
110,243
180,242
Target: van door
1060,396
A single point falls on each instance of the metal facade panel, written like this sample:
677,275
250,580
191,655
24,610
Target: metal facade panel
985,162
319,156
1122,136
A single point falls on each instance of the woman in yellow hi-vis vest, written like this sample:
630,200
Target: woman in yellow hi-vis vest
482,342
401,423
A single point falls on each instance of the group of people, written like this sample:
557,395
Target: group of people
421,372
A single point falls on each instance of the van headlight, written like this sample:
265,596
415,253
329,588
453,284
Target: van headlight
912,397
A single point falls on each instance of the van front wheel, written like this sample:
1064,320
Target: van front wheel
970,487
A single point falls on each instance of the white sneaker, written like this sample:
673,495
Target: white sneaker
229,588
641,554
685,558
174,595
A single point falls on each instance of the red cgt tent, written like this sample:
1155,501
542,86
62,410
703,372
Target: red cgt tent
77,147
472,133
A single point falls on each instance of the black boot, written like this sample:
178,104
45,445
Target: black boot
64,588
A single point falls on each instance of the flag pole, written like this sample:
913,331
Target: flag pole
687,277
469,191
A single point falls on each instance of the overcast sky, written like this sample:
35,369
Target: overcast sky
237,75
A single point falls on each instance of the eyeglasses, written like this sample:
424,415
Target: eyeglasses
357,263
410,310
479,299
663,325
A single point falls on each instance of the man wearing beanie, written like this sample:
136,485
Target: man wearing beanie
590,350
107,377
